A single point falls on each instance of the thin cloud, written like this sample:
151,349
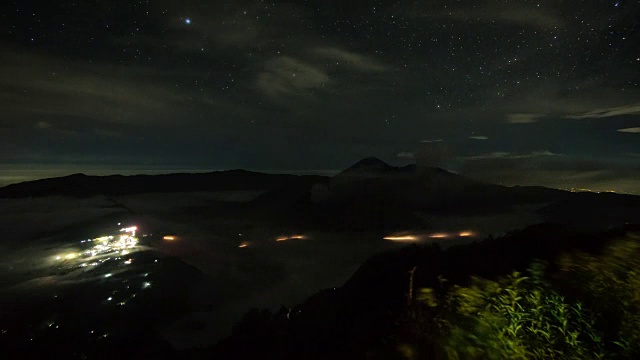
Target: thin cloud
431,141
478,137
503,155
608,112
285,76
357,61
633,130
523,118
406,155
43,125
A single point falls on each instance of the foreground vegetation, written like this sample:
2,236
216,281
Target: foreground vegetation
584,306
544,292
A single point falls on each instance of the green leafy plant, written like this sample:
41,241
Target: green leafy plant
515,317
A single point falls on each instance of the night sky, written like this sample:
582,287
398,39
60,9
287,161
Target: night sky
515,92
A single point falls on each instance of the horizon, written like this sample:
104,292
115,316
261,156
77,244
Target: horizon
20,174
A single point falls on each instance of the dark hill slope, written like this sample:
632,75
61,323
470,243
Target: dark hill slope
360,319
80,185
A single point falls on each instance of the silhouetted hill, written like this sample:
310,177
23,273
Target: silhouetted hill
370,195
80,185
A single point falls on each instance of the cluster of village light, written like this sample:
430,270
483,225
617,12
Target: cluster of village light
121,244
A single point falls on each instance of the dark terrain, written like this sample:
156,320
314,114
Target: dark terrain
342,218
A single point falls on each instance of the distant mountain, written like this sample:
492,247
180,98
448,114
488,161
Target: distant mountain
80,185
371,195
375,183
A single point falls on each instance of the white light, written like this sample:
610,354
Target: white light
187,21
109,299
146,284
57,257
107,275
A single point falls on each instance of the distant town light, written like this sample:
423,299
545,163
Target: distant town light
401,238
439,236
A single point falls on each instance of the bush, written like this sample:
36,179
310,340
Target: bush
516,317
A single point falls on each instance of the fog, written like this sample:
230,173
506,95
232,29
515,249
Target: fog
262,273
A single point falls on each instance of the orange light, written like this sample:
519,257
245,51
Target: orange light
465,234
243,245
401,238
297,237
168,238
282,238
439,236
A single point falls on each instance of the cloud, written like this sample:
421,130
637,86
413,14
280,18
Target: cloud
357,61
478,137
431,141
43,125
502,155
50,89
406,155
561,171
286,76
608,112
634,130
523,118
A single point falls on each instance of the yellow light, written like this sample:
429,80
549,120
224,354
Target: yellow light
297,237
282,238
169,238
439,236
57,257
401,238
70,256
243,245
466,234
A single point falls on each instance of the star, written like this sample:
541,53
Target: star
187,21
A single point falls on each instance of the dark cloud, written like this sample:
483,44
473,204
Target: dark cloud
633,130
503,155
523,118
630,109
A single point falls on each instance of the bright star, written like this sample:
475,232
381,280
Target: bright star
188,21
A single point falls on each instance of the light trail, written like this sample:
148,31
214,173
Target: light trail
439,236
292,237
401,238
